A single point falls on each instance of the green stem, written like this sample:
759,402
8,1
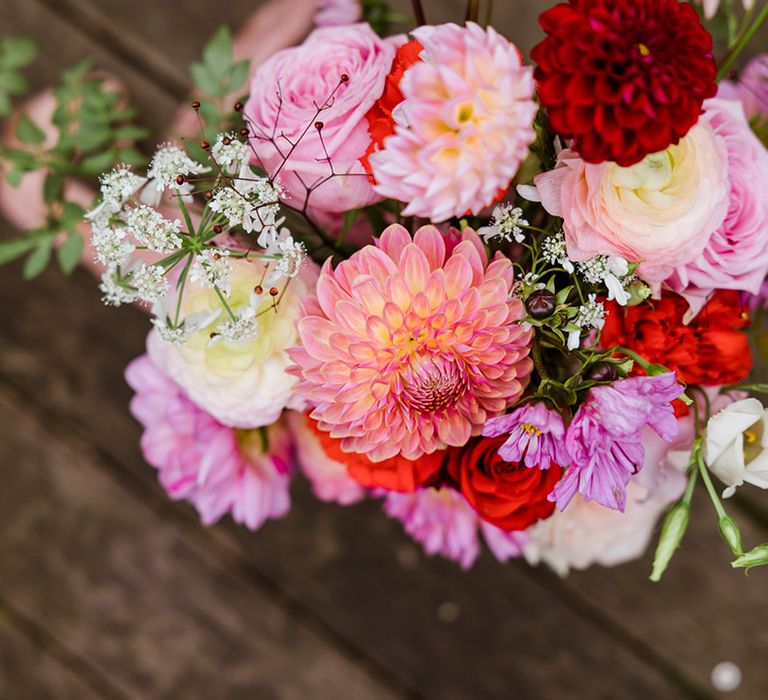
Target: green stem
224,303
710,486
742,42
185,213
180,285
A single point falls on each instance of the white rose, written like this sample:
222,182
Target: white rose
736,445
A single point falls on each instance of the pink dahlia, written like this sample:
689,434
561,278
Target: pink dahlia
463,127
444,523
329,478
409,348
217,469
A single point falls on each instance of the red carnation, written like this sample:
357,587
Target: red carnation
623,78
394,474
506,494
711,350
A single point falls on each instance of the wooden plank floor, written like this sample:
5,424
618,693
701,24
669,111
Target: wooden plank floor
107,589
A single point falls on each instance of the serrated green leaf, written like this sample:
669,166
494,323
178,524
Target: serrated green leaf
70,252
131,156
29,132
38,259
10,250
18,51
6,107
217,54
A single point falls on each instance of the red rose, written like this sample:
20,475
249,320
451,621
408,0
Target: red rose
623,78
380,122
506,494
395,474
711,350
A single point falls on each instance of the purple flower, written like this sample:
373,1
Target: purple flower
604,440
536,436
444,523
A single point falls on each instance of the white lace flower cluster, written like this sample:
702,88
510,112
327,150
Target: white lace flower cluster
590,315
506,224
178,254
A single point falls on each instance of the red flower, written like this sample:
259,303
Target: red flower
506,494
395,474
623,78
711,350
380,122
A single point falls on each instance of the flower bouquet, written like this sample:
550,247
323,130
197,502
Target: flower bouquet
508,300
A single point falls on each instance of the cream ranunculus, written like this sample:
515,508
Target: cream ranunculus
736,445
244,384
660,212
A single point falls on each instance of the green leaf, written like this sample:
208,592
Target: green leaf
204,80
70,252
130,132
10,250
5,105
13,83
38,260
97,164
53,188
14,177
29,132
217,54
71,216
239,75
18,51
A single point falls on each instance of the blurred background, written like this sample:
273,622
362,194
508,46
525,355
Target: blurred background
108,589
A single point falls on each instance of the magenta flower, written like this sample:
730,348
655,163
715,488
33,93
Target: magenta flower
444,523
536,436
604,440
217,469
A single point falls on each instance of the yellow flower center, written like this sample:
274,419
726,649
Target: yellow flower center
644,50
530,429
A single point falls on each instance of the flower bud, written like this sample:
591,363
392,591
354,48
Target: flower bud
603,372
638,293
672,532
541,303
755,557
730,533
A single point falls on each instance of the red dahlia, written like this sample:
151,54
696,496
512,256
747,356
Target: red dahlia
506,494
623,78
711,350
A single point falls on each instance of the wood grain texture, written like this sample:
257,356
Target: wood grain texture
351,568
134,595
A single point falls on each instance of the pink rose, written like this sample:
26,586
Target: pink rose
659,212
736,255
285,93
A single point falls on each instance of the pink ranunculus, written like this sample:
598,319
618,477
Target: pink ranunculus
750,88
329,478
336,13
463,127
659,212
215,468
736,255
282,112
444,523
